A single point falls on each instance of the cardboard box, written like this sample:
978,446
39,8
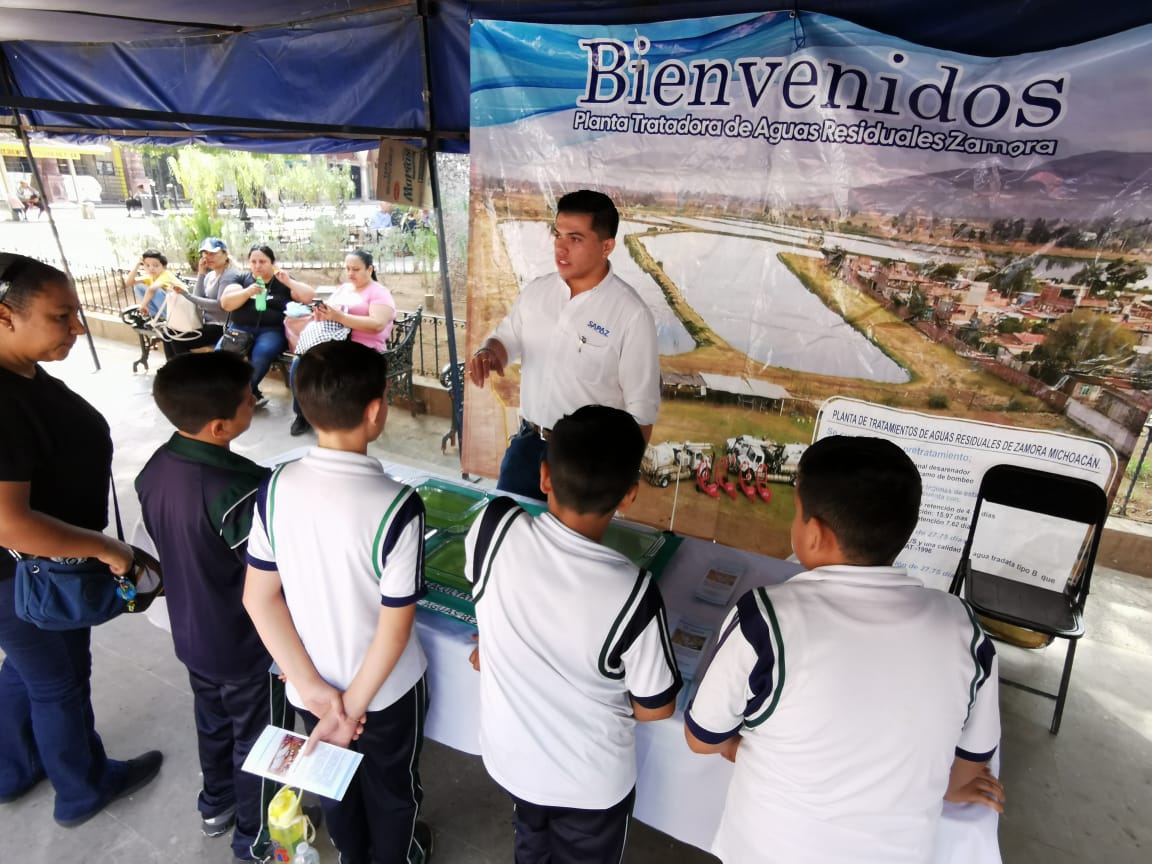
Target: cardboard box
402,175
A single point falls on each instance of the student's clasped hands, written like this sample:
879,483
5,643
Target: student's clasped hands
335,726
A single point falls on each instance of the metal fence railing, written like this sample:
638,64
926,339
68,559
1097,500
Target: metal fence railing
431,354
102,289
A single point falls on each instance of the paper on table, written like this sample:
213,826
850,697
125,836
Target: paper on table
278,755
718,585
688,641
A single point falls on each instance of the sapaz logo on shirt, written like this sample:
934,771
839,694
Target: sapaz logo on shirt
603,331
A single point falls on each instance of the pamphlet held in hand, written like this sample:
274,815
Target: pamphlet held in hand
279,755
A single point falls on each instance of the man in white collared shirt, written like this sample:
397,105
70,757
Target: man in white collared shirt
583,336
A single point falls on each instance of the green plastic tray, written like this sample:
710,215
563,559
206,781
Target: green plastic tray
637,545
449,506
444,563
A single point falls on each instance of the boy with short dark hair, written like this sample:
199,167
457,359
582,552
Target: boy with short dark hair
333,590
196,498
887,703
575,645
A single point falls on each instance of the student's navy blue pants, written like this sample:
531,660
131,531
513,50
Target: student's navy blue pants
230,715
374,824
567,835
520,470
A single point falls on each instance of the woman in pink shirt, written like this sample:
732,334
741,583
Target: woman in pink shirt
362,305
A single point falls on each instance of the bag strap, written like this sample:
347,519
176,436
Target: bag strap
116,508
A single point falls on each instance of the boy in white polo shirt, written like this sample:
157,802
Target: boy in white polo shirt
575,646
335,567
852,699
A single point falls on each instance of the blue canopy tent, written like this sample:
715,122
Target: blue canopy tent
329,75
313,76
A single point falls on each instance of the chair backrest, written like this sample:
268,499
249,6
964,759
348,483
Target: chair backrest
1027,490
401,341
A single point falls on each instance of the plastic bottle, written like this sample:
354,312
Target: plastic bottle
260,301
306,854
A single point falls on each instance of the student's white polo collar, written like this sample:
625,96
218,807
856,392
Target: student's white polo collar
861,577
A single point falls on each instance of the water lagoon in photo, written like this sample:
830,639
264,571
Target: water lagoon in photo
809,237
529,245
753,301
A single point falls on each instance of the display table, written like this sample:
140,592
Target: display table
677,791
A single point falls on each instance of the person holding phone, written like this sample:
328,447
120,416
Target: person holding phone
362,305
215,271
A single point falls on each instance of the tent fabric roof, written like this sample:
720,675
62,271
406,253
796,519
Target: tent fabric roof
340,72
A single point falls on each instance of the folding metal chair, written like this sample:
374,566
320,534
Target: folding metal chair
1013,526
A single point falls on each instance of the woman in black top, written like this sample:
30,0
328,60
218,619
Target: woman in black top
256,304
55,460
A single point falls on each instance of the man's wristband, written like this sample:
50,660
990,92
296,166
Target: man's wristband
483,349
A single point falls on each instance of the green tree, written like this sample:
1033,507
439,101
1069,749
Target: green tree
1039,233
1009,325
1012,278
1092,275
1120,273
917,303
945,272
1084,341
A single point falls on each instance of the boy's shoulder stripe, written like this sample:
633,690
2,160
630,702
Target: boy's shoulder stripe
495,521
760,626
267,503
404,507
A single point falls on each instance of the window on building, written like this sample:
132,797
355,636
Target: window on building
17,163
105,168
62,166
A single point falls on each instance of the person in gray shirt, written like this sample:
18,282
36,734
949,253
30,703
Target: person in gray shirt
214,272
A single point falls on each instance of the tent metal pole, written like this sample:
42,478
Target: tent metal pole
432,141
22,132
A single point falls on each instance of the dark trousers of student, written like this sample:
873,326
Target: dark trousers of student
230,715
520,469
567,835
374,823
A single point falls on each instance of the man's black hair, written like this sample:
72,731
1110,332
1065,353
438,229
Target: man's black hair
605,217
336,381
866,490
192,390
594,458
157,254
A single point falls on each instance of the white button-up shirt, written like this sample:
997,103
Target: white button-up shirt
597,348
